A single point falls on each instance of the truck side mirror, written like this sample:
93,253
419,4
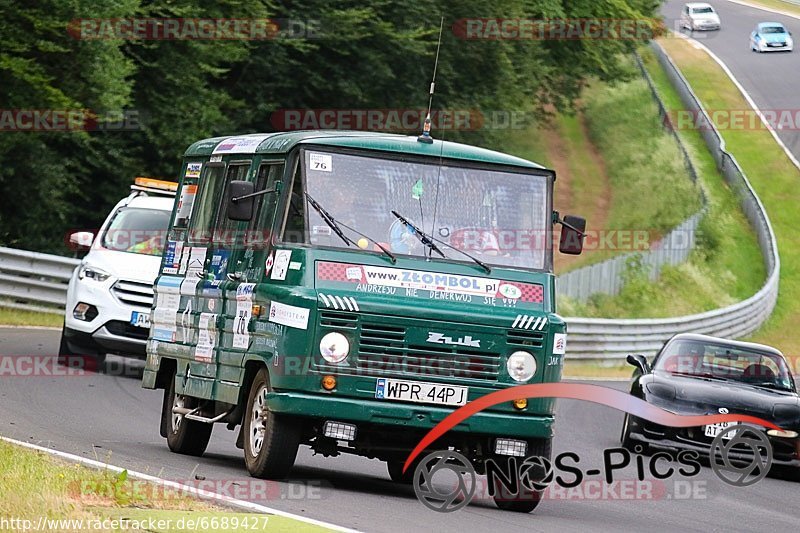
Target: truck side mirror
81,240
241,200
639,361
572,231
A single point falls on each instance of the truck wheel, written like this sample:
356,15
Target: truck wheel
270,440
187,437
395,468
527,500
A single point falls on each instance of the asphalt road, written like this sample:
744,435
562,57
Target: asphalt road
108,416
772,79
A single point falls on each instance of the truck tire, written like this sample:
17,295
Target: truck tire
270,440
395,468
527,500
187,437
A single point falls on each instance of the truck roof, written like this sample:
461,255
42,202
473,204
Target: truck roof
283,142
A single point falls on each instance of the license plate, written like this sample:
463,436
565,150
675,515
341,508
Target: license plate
420,392
140,320
712,430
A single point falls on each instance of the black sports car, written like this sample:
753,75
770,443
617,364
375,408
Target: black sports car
697,374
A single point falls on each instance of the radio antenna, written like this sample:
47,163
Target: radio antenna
426,128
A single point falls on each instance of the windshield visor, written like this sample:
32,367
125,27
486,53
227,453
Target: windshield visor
497,216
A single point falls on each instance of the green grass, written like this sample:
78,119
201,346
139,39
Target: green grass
34,484
772,175
20,317
726,265
597,369
777,4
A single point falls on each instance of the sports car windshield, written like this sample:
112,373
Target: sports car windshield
718,361
500,217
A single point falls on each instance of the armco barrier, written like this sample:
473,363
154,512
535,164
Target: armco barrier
606,339
608,277
34,281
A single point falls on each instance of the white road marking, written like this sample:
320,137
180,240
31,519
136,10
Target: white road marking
227,500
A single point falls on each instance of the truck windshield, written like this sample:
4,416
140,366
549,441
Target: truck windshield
137,230
499,216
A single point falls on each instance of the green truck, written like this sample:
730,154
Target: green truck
348,290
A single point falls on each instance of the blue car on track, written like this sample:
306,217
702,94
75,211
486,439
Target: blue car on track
771,37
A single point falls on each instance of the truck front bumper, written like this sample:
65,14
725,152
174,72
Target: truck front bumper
408,415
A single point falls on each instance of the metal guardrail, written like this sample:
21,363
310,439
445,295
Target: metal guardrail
607,339
34,281
608,277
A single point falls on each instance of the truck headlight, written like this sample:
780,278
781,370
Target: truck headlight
91,272
334,347
521,366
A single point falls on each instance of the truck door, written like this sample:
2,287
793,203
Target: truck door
247,263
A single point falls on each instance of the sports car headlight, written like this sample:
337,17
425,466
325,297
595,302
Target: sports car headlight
521,366
788,434
334,347
91,272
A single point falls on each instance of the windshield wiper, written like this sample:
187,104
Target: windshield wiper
434,240
335,226
423,237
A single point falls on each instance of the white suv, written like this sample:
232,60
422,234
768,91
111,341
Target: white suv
111,292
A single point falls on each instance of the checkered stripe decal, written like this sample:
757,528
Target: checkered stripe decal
335,271
530,292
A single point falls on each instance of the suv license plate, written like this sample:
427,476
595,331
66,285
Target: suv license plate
420,392
140,320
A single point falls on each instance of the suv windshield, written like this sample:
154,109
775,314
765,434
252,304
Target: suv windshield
137,230
498,216
719,361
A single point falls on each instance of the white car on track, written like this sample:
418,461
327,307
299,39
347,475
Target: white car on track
699,16
111,292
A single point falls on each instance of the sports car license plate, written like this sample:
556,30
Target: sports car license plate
712,430
420,392
140,320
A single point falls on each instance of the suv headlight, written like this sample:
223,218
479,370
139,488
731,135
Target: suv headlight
334,347
91,272
521,366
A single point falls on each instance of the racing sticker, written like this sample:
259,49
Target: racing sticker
244,306
320,162
185,204
193,170
196,262
559,343
172,257
282,260
435,282
288,315
206,338
268,263
189,286
240,145
167,303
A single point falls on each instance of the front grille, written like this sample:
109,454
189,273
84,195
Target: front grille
384,351
134,293
126,329
525,338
